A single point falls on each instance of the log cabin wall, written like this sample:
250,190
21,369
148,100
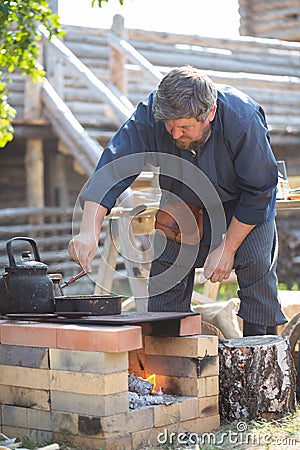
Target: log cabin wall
279,19
12,175
275,84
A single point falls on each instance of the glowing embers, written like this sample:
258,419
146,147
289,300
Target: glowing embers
142,392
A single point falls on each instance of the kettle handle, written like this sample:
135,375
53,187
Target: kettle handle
31,241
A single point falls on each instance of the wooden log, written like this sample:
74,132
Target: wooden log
281,57
32,101
258,378
87,50
262,6
135,57
292,331
75,33
117,59
107,264
34,165
232,44
139,385
273,27
277,14
280,63
84,148
86,74
32,104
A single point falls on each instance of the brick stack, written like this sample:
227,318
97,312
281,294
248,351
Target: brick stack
70,381
186,366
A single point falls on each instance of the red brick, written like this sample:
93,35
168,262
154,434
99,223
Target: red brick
99,338
190,326
29,334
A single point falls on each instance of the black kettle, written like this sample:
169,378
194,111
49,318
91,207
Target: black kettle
25,287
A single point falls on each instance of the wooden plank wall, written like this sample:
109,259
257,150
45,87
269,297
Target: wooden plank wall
274,83
266,69
273,19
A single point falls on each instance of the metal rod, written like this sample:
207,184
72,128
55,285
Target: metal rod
76,277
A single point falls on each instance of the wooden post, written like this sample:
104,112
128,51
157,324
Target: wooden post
32,98
53,61
107,263
58,189
62,193
34,166
257,378
137,279
118,60
34,157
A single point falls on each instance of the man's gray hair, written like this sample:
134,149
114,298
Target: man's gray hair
185,92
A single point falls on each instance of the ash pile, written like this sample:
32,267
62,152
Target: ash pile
140,393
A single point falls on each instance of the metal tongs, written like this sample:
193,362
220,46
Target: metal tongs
76,277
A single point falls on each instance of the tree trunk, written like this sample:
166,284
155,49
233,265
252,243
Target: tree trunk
257,378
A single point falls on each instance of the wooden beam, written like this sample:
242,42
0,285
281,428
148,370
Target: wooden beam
34,166
84,149
27,131
135,57
117,58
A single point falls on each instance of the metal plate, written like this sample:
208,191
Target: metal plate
75,314
30,316
127,318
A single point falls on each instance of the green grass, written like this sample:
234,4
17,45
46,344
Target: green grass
229,290
283,433
226,291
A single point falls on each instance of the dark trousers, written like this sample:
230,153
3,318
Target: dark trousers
171,280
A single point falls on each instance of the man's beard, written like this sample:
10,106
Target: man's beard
193,146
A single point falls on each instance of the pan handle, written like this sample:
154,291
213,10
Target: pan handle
76,277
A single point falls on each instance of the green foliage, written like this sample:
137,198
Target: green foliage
102,1
7,114
19,49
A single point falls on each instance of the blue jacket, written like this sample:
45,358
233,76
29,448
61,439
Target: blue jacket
237,160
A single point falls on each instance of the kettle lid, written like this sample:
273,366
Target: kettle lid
28,260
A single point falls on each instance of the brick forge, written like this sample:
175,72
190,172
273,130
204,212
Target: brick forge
71,381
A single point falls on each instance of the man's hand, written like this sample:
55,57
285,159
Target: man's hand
219,264
220,261
83,247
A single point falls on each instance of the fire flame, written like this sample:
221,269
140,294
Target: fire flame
152,379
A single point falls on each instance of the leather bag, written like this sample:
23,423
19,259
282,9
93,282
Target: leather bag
180,222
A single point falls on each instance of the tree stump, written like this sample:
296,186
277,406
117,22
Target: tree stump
257,378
